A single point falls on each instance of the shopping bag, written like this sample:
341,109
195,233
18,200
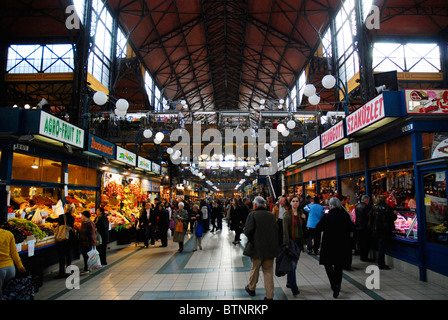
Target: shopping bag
19,288
62,232
93,260
199,231
99,238
179,227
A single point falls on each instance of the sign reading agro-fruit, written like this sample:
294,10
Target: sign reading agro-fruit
60,130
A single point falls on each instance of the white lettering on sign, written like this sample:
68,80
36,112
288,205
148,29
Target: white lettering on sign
369,113
332,135
60,130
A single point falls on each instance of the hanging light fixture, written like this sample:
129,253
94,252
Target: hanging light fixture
147,133
34,166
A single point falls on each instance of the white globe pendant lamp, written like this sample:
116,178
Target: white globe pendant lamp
328,81
309,90
122,105
314,100
159,136
291,124
100,98
147,133
281,127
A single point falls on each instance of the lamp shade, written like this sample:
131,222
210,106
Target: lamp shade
274,144
122,104
100,98
281,127
147,133
120,113
309,90
291,124
314,100
285,133
169,150
328,81
157,141
159,136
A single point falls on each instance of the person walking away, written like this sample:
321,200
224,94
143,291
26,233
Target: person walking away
336,227
279,210
64,248
164,223
315,213
219,216
102,226
363,230
383,226
9,259
293,222
180,216
87,238
196,218
236,220
214,216
261,229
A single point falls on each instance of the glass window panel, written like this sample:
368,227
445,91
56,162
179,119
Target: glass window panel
435,201
80,8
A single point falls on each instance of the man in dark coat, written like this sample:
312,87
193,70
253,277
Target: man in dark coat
261,231
335,250
163,224
148,220
383,225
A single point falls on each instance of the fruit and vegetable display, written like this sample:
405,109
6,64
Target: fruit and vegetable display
114,190
29,227
19,234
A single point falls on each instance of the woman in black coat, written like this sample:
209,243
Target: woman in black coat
336,243
237,219
102,226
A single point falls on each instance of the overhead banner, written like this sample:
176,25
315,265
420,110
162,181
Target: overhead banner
144,164
60,130
100,146
126,156
312,147
155,168
333,135
366,115
431,101
297,156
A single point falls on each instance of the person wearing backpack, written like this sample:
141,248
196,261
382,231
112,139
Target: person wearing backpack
383,226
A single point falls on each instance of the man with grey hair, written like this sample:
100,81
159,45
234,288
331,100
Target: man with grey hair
362,212
261,231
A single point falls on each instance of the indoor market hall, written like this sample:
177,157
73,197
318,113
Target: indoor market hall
204,157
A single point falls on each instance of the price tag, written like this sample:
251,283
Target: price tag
31,247
19,247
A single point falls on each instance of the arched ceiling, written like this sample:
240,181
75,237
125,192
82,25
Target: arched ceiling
224,54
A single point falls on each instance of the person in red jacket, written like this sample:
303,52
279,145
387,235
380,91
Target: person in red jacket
87,238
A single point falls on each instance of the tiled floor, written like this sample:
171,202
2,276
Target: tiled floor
220,271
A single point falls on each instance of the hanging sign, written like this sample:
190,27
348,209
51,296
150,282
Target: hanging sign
126,156
287,161
297,156
100,146
351,150
333,135
144,164
155,168
423,101
60,130
313,146
366,115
